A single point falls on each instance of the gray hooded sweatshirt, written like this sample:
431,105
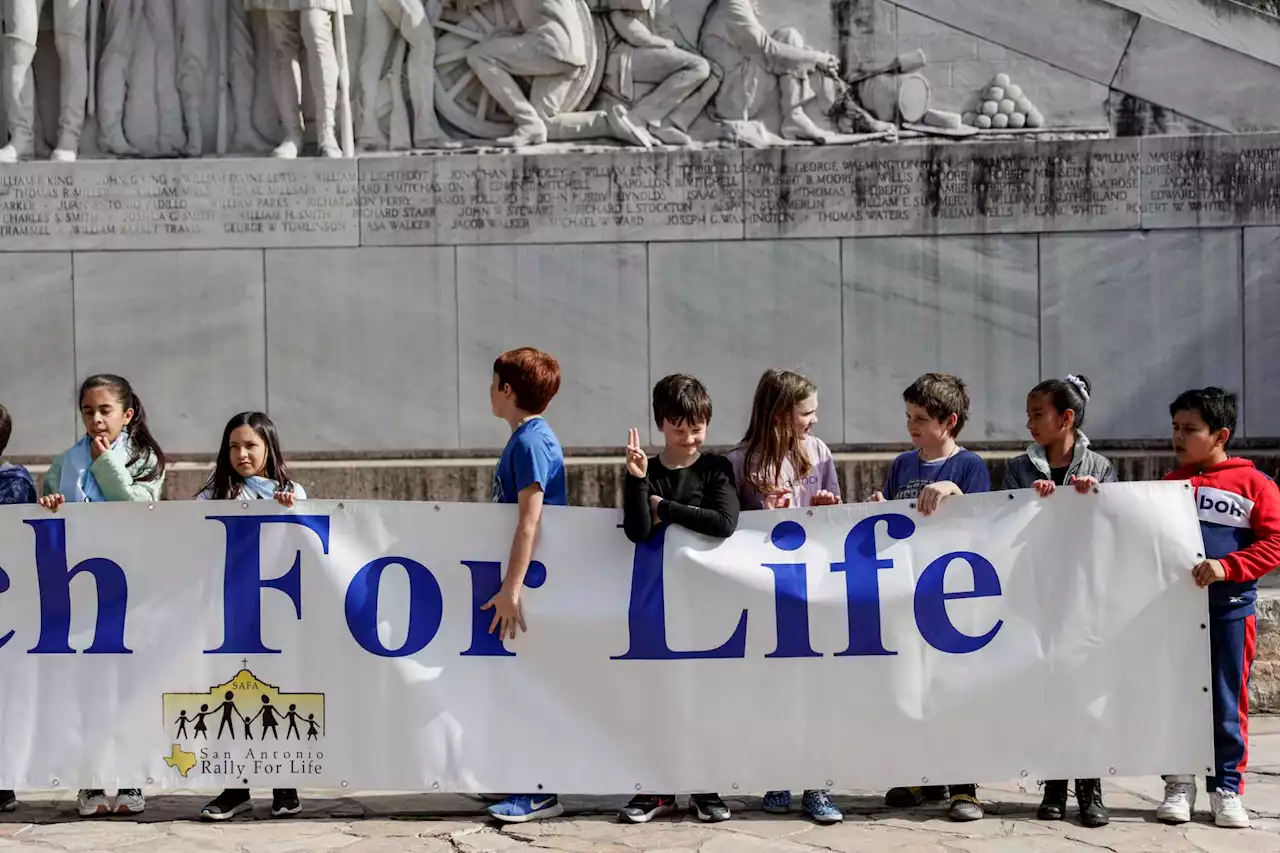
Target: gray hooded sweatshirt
1033,465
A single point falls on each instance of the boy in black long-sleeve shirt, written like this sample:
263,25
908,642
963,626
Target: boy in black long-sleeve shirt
684,486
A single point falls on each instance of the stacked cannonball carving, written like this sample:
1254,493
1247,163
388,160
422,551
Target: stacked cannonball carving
1004,106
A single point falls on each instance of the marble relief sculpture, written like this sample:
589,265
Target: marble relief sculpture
514,73
241,58
760,67
650,49
414,21
21,28
550,51
301,29
155,111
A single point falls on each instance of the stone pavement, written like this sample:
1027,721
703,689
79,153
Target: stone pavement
387,823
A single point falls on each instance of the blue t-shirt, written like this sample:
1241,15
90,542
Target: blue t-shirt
909,474
532,455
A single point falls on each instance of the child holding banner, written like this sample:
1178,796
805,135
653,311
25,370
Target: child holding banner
779,464
936,469
1239,510
681,485
530,474
16,487
1060,457
116,460
250,466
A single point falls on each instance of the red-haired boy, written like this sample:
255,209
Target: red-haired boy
530,474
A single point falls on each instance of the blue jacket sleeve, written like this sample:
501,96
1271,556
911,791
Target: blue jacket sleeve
16,491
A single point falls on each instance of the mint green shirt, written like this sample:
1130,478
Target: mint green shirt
114,478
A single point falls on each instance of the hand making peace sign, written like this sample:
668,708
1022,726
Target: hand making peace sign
637,459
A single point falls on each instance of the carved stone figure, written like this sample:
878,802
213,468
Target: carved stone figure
242,61
650,49
760,67
551,50
21,24
414,20
158,106
293,25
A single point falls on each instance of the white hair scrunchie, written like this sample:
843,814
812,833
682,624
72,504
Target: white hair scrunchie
1080,386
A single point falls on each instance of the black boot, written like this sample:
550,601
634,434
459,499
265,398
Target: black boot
1089,797
1054,804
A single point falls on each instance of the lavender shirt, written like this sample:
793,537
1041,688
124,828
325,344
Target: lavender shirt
821,478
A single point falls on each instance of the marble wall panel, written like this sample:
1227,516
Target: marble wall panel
1223,22
962,305
584,304
37,349
178,204
1216,85
726,312
1262,330
185,328
1085,37
1211,181
1145,316
362,348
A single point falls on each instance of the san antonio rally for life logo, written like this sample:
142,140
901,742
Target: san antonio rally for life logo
245,727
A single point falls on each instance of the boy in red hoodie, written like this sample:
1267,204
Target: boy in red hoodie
1239,510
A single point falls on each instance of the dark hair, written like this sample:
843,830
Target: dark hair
1065,395
141,442
224,483
771,437
533,375
681,399
941,395
1216,407
6,428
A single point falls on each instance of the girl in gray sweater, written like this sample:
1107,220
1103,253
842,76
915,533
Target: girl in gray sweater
1061,456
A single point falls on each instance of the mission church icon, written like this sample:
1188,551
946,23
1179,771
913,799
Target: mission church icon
243,711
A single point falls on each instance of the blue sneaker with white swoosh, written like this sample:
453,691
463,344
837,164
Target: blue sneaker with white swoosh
523,808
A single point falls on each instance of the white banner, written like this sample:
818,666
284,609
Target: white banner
862,646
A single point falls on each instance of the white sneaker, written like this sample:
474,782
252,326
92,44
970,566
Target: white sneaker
130,801
1179,800
92,802
1228,810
